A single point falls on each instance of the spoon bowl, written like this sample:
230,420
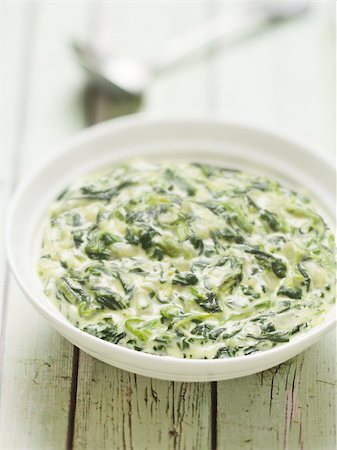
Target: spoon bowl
122,75
128,76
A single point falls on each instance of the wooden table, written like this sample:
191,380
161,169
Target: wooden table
53,395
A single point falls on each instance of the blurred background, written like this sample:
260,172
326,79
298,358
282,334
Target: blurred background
278,74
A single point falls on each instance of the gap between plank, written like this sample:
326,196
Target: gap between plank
73,397
214,415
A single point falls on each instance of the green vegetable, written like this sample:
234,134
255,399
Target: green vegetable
186,278
247,290
182,230
226,235
279,268
202,329
275,336
180,182
78,237
187,260
106,330
223,352
208,302
170,311
72,291
109,299
90,192
172,248
145,239
277,265
210,171
77,220
131,237
304,273
140,328
158,254
98,244
295,293
197,243
271,219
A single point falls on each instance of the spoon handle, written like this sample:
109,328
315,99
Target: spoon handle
228,27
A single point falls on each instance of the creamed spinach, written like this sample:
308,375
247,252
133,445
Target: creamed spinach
187,260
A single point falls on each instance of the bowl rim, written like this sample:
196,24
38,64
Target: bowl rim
141,119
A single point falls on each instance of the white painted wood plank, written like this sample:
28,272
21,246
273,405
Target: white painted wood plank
36,380
289,407
120,410
37,365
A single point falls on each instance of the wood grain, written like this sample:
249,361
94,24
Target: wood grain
120,410
36,380
289,407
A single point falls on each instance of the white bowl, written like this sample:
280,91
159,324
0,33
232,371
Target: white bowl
209,140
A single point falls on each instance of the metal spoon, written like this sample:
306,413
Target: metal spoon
128,76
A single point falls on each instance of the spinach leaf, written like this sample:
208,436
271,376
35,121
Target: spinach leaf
97,245
90,192
274,336
202,329
180,182
62,194
209,170
209,303
197,243
130,237
304,273
279,268
226,235
72,291
158,254
260,185
223,352
185,278
172,248
259,254
143,330
106,330
295,293
182,230
139,271
249,291
77,221
145,239
170,312
231,280
78,237
109,299
276,264
271,220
